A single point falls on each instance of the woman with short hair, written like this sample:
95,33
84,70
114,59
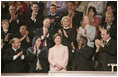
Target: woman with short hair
58,55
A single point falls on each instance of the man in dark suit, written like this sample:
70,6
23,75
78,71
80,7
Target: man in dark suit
76,15
111,24
34,19
45,33
15,20
106,50
83,56
15,58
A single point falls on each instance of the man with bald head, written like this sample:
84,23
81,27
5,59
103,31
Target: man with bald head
15,58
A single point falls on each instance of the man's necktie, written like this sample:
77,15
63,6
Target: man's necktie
71,20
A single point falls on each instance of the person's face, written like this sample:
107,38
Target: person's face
52,9
35,8
12,10
104,35
71,7
80,42
5,25
86,20
91,12
109,18
76,3
57,40
109,9
65,23
19,2
16,44
46,23
38,42
23,29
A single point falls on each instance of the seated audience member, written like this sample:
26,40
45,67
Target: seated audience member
21,4
68,38
6,36
38,57
111,24
99,5
79,7
58,55
24,37
45,33
34,19
15,20
106,48
111,6
41,6
75,16
95,20
60,5
83,56
4,9
15,58
110,9
55,18
87,30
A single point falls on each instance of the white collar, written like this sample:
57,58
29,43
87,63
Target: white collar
44,28
110,23
14,49
53,14
108,40
5,30
66,27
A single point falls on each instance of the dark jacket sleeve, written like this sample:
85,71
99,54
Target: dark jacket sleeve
111,48
87,52
31,57
8,57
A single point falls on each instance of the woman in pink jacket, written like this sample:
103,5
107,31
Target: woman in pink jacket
58,55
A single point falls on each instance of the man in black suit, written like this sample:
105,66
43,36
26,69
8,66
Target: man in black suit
15,20
34,19
111,24
45,33
106,50
15,58
83,56
76,15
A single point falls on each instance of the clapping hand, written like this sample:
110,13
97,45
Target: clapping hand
60,31
7,36
99,43
45,32
65,33
13,17
19,54
26,33
79,32
33,16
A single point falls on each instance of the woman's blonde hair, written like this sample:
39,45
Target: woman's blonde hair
66,17
90,20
